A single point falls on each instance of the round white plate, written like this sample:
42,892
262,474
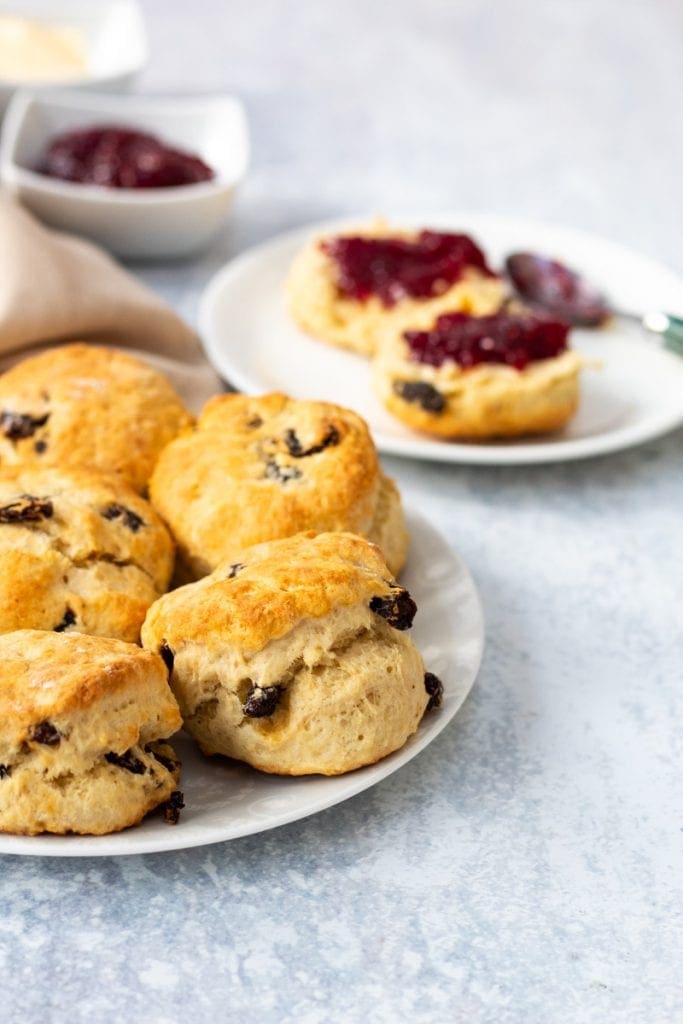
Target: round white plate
226,800
636,394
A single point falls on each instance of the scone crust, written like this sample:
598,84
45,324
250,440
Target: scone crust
388,529
268,589
360,702
318,307
79,551
84,405
47,675
261,468
294,618
75,710
487,401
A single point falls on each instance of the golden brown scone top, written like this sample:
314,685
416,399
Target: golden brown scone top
79,551
268,590
258,468
82,405
86,515
48,675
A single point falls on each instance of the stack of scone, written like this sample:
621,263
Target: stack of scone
453,357
84,712
290,654
286,651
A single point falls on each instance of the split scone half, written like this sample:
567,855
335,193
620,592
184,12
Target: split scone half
78,552
348,289
294,658
82,725
257,469
82,405
420,377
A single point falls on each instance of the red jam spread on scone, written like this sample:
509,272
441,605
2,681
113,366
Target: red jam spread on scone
511,339
119,157
397,268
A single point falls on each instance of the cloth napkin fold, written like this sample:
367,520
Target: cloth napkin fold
56,288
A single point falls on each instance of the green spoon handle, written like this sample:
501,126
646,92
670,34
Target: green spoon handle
669,327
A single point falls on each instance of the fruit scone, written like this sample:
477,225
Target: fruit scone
347,289
79,551
81,405
503,375
257,469
294,659
82,727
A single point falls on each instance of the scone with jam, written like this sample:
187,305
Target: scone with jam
348,289
79,552
82,405
504,375
257,469
295,658
83,724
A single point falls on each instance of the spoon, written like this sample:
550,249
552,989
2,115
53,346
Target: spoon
553,287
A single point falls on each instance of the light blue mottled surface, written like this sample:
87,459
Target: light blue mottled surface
526,868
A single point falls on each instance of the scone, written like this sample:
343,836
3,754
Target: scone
258,469
348,289
78,552
81,720
80,405
480,377
293,658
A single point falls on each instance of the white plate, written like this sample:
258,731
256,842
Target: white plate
225,800
636,395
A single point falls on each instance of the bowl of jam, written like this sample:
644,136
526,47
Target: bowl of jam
146,177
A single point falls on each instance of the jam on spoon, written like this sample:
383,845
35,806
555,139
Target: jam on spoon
511,339
119,157
395,268
551,286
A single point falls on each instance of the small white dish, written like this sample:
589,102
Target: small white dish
136,223
115,41
635,395
226,800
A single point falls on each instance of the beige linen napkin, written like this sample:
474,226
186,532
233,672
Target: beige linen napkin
56,288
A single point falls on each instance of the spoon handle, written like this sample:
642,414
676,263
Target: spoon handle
669,327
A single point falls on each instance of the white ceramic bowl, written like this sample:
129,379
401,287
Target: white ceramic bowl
136,223
116,43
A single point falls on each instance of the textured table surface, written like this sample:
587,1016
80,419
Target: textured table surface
526,868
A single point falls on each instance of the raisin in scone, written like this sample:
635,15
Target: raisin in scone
257,469
82,725
347,289
81,405
294,658
503,375
78,552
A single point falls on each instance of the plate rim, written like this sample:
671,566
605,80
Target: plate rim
46,845
427,449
